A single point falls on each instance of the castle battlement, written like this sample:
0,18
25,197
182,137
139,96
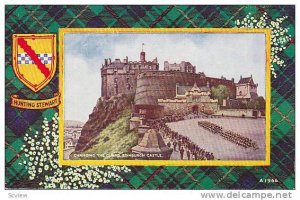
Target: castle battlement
172,100
200,76
165,73
143,78
183,66
119,77
155,90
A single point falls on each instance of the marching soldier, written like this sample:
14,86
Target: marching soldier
179,144
174,145
169,144
188,154
181,153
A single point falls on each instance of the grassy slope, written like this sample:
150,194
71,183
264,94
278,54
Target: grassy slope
115,138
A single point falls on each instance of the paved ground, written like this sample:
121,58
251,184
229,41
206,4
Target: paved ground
223,149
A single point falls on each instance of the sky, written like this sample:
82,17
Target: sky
216,54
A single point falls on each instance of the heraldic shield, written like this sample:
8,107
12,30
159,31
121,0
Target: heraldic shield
34,59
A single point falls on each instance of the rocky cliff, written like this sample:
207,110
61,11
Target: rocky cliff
105,112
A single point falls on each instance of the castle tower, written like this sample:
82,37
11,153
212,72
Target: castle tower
246,89
120,76
143,54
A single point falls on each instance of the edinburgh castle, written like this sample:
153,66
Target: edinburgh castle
158,92
124,77
152,94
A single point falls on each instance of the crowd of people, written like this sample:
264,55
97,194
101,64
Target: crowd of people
182,144
228,135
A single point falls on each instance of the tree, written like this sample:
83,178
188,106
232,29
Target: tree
220,92
259,103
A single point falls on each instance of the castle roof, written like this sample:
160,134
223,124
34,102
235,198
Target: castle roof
182,62
253,95
120,65
188,63
182,89
246,80
117,64
195,88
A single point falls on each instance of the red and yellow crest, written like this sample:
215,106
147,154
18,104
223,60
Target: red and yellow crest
34,59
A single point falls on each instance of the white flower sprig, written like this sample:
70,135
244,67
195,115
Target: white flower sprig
41,151
279,35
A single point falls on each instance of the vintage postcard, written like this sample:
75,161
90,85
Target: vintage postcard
168,109
150,97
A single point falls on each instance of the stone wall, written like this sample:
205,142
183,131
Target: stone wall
162,85
158,84
184,107
174,107
119,83
237,112
121,77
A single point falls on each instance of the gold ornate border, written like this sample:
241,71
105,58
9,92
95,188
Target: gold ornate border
265,162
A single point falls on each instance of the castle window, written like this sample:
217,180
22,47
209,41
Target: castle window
116,89
116,86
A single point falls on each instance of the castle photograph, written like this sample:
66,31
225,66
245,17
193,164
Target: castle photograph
165,96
